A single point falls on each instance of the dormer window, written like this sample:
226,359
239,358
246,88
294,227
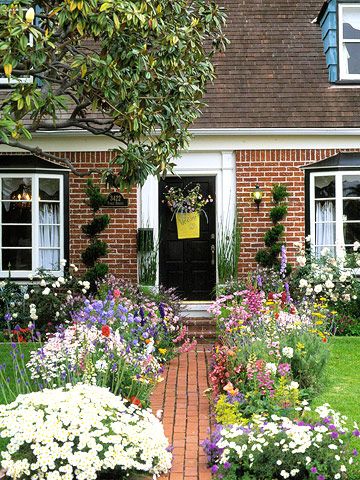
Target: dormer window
349,41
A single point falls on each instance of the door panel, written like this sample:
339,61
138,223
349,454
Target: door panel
188,265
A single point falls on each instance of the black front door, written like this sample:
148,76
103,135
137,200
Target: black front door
188,265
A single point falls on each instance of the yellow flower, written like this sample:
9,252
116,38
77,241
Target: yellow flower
319,322
300,346
162,351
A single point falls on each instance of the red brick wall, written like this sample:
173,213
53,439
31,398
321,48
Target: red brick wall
121,233
266,167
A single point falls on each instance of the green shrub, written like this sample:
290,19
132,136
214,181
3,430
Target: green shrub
278,213
96,226
279,193
95,250
273,235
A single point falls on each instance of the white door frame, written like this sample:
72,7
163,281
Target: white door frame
220,164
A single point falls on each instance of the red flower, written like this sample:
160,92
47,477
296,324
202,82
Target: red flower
271,296
116,293
283,297
105,330
324,340
135,401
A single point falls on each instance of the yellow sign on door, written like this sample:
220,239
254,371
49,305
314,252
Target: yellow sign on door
188,225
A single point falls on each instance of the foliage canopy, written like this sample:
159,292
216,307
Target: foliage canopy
133,70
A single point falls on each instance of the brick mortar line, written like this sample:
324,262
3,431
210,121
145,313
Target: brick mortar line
198,412
187,413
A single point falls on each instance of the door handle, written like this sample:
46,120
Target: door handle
212,254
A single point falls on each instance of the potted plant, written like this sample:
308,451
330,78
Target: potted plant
186,204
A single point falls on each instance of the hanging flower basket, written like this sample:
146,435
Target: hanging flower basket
186,205
188,225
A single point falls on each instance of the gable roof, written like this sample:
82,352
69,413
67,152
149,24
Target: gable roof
274,74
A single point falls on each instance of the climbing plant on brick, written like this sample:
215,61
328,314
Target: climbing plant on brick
97,248
273,238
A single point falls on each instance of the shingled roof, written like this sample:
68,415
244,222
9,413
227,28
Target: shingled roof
273,75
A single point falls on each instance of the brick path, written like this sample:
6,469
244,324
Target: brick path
186,413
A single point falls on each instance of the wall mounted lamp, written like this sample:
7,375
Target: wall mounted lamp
257,196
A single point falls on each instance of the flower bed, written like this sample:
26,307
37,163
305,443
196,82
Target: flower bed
112,348
268,364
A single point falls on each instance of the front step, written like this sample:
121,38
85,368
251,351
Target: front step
201,328
196,309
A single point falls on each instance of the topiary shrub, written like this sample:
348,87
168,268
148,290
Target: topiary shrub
273,235
269,257
97,248
278,213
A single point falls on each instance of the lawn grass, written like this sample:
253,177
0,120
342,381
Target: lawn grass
6,360
342,387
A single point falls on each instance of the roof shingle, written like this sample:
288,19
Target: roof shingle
273,74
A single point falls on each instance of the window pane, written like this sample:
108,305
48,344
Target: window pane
324,187
351,210
49,213
331,249
49,236
325,211
351,22
325,234
16,212
49,189
351,186
18,259
352,58
351,232
16,189
49,259
13,236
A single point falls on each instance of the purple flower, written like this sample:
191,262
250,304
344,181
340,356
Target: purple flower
161,310
313,469
283,260
334,435
214,469
320,477
355,452
227,465
356,433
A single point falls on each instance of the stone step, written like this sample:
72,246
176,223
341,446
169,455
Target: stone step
201,328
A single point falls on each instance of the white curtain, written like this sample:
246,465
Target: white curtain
325,231
49,236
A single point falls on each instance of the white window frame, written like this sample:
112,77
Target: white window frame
35,223
339,245
343,61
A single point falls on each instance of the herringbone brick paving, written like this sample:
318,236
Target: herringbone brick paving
186,413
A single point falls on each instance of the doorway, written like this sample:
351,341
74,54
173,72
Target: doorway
188,265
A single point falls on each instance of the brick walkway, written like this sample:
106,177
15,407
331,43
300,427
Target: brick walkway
186,413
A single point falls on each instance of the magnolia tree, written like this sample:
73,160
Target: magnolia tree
133,70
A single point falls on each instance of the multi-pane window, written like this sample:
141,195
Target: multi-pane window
349,41
31,221
335,210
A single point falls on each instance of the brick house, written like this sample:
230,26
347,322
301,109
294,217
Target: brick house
287,95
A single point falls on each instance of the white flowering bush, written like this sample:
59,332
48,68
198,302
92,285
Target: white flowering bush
314,446
333,278
41,305
79,432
